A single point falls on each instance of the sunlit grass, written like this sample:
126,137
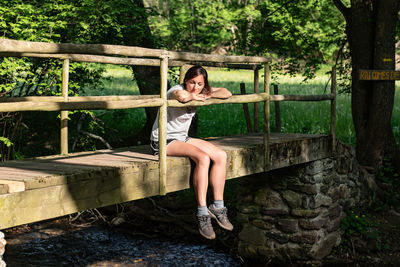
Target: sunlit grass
228,119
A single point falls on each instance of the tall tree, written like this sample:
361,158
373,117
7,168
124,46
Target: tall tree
371,33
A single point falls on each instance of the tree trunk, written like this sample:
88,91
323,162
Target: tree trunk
147,78
371,31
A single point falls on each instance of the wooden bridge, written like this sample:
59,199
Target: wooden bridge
52,186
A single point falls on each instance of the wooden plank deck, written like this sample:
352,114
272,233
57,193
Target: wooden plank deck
53,186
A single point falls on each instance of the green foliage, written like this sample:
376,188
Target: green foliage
363,227
82,21
389,180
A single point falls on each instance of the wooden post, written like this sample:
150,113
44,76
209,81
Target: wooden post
246,109
333,108
277,111
181,74
64,114
256,91
162,126
266,116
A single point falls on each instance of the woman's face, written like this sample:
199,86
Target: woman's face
195,85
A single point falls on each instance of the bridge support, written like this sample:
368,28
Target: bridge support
2,249
294,214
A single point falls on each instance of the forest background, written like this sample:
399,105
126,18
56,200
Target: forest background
303,37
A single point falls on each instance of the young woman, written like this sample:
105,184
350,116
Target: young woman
196,87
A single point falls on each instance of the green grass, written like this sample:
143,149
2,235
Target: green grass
228,119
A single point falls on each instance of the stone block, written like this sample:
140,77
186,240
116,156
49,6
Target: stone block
247,250
266,252
335,211
247,209
305,213
315,167
322,200
306,237
287,225
329,164
293,199
269,198
309,189
334,225
344,191
308,202
275,211
324,189
242,218
269,219
334,194
262,225
327,180
277,236
292,252
313,224
252,235
324,246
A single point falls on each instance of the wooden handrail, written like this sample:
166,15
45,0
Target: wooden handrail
57,103
16,46
79,105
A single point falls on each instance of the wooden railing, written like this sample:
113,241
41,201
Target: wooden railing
128,55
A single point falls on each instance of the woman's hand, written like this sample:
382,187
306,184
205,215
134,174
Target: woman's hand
200,97
220,93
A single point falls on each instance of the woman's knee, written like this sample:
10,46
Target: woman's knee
220,156
202,159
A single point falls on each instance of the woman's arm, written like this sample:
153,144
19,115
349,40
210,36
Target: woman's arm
220,92
185,96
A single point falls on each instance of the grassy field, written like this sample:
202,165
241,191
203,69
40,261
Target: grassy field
228,119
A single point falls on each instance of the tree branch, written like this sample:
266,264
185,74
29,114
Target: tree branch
342,8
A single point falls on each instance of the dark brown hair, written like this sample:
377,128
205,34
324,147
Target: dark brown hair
194,72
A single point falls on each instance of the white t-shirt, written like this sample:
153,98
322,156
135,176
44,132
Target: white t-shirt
178,120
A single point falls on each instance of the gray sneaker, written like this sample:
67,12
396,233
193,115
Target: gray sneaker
221,216
205,227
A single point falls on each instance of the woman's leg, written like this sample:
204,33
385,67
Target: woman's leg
200,174
218,169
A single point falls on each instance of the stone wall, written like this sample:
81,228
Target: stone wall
295,213
2,249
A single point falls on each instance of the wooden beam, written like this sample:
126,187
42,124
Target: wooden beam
76,98
256,112
250,66
277,111
246,109
235,99
16,46
267,162
301,97
13,186
79,105
162,126
333,108
64,113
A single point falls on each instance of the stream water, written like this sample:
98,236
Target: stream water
51,244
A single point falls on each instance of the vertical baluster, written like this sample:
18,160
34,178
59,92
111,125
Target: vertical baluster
256,91
181,74
333,108
64,113
266,116
162,123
